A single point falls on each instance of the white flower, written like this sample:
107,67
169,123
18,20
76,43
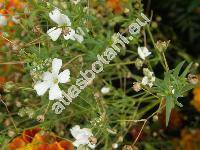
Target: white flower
105,90
52,79
3,20
82,136
75,1
143,52
64,26
115,145
149,77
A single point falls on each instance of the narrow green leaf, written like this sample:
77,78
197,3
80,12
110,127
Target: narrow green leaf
187,88
178,69
169,107
186,71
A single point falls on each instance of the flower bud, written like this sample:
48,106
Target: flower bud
138,63
40,118
162,46
93,140
193,79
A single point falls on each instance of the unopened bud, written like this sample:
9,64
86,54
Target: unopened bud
11,133
138,63
40,118
37,29
93,140
193,79
155,118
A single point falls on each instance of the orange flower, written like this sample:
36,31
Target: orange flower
17,143
114,5
2,80
35,139
28,135
196,99
188,141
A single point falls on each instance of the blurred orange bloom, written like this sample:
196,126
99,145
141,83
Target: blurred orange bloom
115,5
2,80
189,140
196,99
35,139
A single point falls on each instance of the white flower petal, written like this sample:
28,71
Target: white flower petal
105,90
70,34
55,92
79,38
76,143
47,76
145,80
59,18
146,52
64,76
87,132
82,136
92,146
3,20
41,87
75,131
140,53
54,33
150,84
143,52
56,65
64,20
55,15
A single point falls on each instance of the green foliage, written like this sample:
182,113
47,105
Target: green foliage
173,86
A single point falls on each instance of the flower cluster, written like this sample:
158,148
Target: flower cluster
149,77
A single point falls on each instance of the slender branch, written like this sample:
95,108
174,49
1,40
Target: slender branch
9,113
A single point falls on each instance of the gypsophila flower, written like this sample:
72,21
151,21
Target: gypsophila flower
105,90
26,112
82,136
50,80
143,52
3,20
64,27
149,77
